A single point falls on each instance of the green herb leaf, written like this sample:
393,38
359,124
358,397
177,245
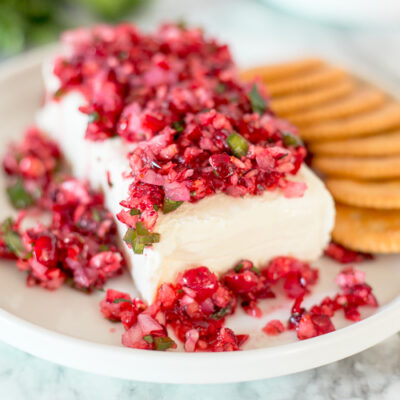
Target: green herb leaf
148,338
238,144
181,23
163,343
140,237
258,104
12,238
104,247
178,126
123,55
18,195
221,87
135,211
255,270
59,93
156,208
238,267
96,215
117,301
289,139
221,313
94,116
170,205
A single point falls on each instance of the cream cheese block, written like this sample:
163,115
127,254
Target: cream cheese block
217,232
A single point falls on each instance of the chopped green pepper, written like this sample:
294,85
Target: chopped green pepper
238,144
258,104
170,205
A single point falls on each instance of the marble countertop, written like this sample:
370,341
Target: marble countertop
371,375
255,32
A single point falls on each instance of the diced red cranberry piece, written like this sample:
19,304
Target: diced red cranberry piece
192,337
226,340
32,167
323,323
294,285
274,327
352,314
345,256
45,249
166,295
306,328
203,282
221,164
154,123
350,277
242,282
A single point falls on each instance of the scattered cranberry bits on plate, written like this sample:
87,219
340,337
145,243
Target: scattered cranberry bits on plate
195,131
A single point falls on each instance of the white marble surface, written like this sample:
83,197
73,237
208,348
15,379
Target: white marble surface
371,375
255,33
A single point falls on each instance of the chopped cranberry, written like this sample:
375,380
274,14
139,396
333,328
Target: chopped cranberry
345,256
242,282
78,246
222,166
354,293
250,285
350,277
45,249
306,328
226,340
297,275
199,321
274,328
201,281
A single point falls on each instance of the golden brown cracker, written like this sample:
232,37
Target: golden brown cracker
358,168
384,118
363,229
268,73
295,103
318,78
379,195
383,144
362,100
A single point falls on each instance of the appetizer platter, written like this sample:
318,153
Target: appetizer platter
162,220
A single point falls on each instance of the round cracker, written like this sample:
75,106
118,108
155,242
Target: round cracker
317,78
384,144
366,230
358,168
378,195
385,118
275,72
362,100
294,103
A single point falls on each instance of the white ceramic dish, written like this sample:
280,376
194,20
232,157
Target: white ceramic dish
66,327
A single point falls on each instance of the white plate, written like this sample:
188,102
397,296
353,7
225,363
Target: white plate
66,326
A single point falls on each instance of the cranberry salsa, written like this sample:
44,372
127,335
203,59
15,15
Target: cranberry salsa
198,131
196,305
79,244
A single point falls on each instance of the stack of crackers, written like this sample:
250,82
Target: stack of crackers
352,130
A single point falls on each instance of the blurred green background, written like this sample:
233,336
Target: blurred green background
24,23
